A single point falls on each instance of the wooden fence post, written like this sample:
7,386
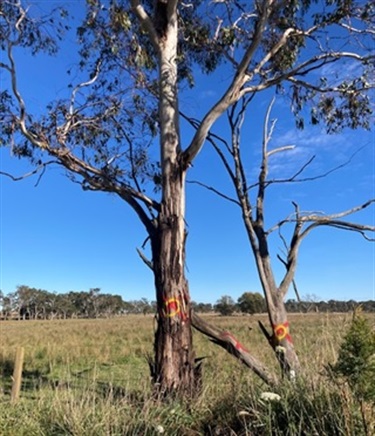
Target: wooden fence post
17,375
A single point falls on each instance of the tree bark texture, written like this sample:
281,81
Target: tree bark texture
174,357
280,339
174,368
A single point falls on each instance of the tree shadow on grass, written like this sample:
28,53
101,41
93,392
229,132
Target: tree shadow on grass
82,380
32,380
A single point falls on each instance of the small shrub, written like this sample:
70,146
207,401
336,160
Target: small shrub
356,361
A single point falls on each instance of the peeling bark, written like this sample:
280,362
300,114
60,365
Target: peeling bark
174,365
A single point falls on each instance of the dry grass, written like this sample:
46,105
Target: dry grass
90,377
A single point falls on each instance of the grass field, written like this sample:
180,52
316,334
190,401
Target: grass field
91,377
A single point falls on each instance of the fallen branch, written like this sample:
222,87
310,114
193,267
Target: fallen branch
227,341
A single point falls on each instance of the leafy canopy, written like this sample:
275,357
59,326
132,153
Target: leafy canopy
316,54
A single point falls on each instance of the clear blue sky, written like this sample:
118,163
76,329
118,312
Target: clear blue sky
59,238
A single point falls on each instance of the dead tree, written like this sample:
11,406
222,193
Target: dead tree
253,215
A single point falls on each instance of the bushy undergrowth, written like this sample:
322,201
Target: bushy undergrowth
94,381
356,361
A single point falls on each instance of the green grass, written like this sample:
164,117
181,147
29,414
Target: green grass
91,377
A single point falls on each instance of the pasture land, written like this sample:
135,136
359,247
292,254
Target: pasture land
91,377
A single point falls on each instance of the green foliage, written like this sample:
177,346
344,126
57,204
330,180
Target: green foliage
356,361
304,409
225,305
251,302
113,123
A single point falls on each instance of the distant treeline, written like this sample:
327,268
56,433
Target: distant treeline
329,306
254,302
32,303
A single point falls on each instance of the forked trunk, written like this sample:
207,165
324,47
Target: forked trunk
281,339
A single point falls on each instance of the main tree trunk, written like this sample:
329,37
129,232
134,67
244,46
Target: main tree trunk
173,367
174,358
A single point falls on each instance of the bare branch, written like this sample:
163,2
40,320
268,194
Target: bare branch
295,288
316,220
41,167
216,191
355,30
6,67
264,166
221,154
211,137
291,262
240,180
323,219
343,225
266,132
294,179
145,260
280,149
327,218
227,341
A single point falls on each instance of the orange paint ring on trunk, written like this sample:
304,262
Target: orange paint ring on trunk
282,332
172,306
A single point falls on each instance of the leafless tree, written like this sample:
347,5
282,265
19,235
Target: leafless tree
250,198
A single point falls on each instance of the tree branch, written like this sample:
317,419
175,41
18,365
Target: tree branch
232,94
322,219
216,191
304,68
291,262
146,23
263,167
280,149
316,220
145,260
293,178
41,167
355,30
326,218
227,341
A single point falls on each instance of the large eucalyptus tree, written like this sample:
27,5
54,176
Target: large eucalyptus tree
133,57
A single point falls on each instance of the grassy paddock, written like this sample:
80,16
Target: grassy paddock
91,377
